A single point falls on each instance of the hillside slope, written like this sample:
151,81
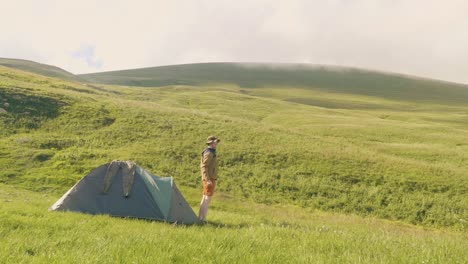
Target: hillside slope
39,68
319,78
348,153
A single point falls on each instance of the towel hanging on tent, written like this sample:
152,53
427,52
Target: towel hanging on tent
128,175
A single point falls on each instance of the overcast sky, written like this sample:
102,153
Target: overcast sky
420,37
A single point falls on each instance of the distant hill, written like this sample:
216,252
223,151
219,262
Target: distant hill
39,68
321,78
325,78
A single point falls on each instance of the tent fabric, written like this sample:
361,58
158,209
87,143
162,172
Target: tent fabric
127,190
161,189
179,208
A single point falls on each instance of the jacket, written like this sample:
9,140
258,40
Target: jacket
209,164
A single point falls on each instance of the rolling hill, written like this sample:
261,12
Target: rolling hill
39,68
319,78
331,173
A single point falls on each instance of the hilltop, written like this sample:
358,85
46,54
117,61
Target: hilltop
39,68
315,77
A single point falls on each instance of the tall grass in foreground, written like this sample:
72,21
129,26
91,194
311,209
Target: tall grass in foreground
238,232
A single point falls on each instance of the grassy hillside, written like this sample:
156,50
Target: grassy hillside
39,68
336,152
299,168
317,78
238,232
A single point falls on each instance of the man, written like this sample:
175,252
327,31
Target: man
209,172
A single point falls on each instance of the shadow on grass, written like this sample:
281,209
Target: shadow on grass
218,224
215,224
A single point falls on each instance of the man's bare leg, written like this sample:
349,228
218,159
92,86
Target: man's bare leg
204,207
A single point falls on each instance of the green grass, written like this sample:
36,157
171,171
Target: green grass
238,232
305,174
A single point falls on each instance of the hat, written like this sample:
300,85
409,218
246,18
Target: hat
212,139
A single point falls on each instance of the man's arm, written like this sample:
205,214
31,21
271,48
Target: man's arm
206,160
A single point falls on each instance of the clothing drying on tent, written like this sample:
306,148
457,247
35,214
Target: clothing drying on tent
122,188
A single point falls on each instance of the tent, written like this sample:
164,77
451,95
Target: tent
122,188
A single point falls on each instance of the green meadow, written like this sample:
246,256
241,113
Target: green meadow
238,232
327,171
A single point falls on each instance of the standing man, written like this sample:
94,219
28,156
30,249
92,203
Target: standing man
209,172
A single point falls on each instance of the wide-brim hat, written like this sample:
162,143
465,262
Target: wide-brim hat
212,139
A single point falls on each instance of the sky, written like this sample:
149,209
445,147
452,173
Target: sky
426,38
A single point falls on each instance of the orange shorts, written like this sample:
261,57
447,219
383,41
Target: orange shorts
208,189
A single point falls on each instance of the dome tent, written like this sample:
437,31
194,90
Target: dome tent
122,188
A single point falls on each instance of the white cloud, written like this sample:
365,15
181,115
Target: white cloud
86,53
421,37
